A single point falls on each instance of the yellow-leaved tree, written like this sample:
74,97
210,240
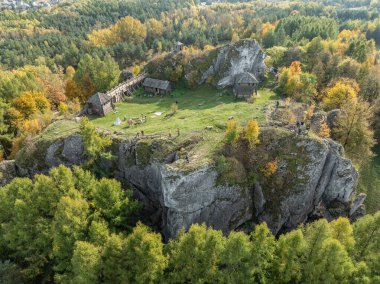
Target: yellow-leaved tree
252,132
343,91
28,103
127,29
354,131
232,132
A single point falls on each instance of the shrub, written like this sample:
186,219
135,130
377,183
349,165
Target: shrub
63,108
324,131
222,165
252,132
232,132
270,168
31,127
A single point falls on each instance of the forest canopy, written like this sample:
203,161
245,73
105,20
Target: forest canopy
78,225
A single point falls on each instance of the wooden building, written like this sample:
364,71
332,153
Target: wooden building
99,104
178,46
157,87
245,85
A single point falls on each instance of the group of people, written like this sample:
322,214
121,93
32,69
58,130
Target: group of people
300,128
131,121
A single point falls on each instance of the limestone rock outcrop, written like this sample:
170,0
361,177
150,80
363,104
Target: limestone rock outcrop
312,174
186,198
40,155
234,59
313,178
220,66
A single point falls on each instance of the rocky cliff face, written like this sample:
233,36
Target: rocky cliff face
313,180
220,66
233,59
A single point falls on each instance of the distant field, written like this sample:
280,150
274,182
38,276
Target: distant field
197,109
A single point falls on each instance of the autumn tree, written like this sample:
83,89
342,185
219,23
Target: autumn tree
353,130
127,29
252,132
232,132
29,103
155,28
76,91
297,84
25,104
324,130
342,92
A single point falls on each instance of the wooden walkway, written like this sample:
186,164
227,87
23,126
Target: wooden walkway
126,88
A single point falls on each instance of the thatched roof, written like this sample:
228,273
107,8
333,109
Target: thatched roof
156,84
246,78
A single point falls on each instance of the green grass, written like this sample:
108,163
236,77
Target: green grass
202,112
59,129
198,109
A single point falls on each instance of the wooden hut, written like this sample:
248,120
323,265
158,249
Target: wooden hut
178,46
157,87
99,104
245,85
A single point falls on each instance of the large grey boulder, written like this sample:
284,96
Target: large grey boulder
233,59
39,155
68,151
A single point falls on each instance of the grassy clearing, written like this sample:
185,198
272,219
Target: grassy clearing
202,112
198,109
59,129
